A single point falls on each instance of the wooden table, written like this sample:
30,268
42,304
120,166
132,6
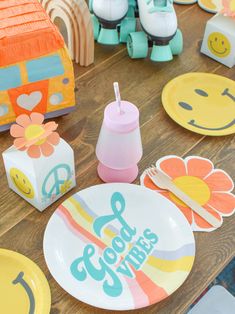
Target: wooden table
141,81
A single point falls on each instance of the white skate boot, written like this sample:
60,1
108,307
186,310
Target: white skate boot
110,19
159,24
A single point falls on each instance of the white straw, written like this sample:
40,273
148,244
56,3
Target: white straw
117,95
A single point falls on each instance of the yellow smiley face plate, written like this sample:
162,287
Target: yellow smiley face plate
201,102
23,286
211,6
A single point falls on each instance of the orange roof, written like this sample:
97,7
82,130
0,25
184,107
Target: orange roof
26,31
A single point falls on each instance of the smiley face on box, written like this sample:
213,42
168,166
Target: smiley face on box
219,39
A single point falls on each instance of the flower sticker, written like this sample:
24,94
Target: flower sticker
65,186
197,177
34,137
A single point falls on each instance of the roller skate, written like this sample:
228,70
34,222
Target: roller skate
159,24
113,20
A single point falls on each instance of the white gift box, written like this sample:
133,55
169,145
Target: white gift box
41,181
219,39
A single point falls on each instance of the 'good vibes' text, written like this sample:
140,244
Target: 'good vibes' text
99,267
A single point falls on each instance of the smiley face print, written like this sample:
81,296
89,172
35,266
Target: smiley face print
23,286
219,45
14,286
22,183
201,102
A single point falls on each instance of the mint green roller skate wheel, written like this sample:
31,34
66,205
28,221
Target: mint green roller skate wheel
128,25
96,26
137,45
108,36
161,53
91,6
176,43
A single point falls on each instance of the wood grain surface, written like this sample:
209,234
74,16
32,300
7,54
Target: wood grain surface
141,82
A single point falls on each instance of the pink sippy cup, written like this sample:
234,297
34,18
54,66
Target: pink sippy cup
119,147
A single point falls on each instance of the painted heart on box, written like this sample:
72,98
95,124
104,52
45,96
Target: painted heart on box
29,102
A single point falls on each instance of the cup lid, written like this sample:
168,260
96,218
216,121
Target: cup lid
123,122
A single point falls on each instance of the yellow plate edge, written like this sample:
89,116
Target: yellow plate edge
45,288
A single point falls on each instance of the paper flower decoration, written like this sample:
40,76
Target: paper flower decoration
228,8
33,136
196,176
65,186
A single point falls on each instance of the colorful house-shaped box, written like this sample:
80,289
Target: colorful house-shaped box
36,72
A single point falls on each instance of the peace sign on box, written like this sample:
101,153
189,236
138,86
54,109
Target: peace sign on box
40,165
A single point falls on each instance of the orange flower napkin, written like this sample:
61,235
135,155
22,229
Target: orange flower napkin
196,176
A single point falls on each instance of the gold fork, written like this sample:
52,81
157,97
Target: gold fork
164,182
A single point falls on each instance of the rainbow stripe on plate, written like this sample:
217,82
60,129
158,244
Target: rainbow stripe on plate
159,276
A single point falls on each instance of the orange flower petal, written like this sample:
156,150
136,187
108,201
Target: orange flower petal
173,166
148,183
223,202
199,167
34,151
163,193
219,181
54,138
50,126
47,149
23,120
37,118
19,142
17,130
200,222
46,133
186,211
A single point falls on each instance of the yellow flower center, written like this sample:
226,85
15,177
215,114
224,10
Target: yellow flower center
34,131
194,187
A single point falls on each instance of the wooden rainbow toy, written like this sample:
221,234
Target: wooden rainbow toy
74,21
36,72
